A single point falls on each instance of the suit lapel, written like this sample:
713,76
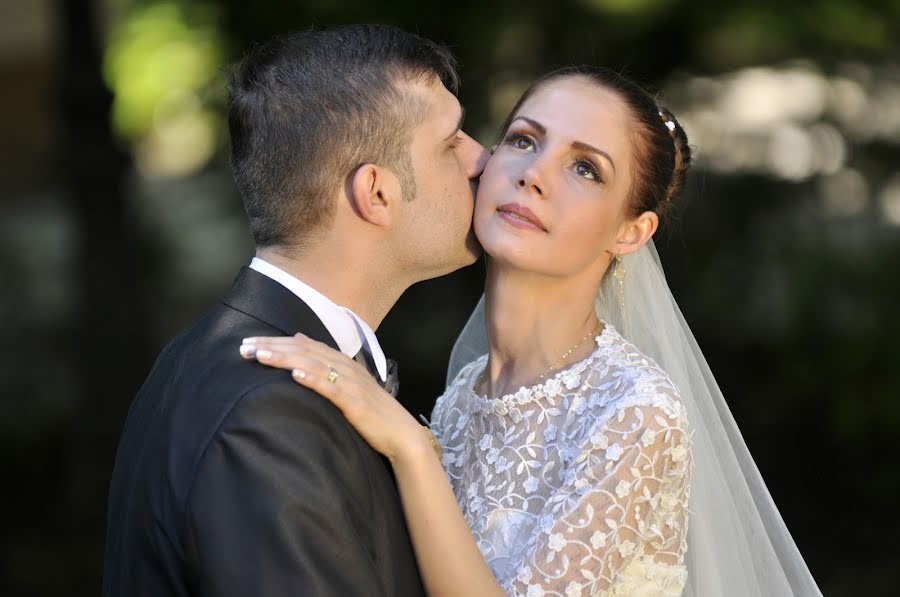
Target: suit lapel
264,299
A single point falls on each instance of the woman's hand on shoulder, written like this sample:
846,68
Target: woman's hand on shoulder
376,415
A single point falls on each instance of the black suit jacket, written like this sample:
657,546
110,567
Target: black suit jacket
232,480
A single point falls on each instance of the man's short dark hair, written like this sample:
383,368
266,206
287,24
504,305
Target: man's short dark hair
308,108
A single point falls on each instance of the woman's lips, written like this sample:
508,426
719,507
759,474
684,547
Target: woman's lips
520,217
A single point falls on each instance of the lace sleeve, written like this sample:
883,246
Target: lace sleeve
624,498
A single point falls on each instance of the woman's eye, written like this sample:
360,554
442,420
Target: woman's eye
520,141
587,170
523,143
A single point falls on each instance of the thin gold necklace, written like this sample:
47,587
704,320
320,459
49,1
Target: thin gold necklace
594,330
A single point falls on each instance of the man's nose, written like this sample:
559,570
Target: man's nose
479,159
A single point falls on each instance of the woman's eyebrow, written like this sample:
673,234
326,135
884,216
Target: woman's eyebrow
579,145
537,125
591,149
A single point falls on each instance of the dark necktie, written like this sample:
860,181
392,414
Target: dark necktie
392,385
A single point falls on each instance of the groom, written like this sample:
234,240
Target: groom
230,479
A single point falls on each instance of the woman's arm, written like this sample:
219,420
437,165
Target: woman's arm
449,559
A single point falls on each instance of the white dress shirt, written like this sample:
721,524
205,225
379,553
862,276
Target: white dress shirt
349,331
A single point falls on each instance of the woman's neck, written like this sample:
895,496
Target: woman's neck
532,322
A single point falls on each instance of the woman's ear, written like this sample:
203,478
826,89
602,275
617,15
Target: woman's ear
634,234
374,193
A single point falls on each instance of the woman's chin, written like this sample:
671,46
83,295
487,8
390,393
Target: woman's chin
506,245
510,253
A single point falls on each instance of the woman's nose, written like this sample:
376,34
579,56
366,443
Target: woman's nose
531,179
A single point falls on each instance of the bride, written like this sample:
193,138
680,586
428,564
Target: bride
586,448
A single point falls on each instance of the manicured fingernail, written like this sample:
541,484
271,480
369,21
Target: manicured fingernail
263,354
248,350
248,341
299,373
300,335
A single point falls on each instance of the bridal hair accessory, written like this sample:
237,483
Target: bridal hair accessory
669,123
332,375
556,363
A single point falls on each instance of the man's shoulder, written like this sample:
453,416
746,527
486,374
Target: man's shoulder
200,387
277,427
277,415
204,378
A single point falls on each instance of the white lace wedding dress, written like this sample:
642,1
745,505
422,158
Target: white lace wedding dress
579,485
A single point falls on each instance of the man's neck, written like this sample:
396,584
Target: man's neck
340,275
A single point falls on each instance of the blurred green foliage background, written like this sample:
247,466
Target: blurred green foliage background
120,224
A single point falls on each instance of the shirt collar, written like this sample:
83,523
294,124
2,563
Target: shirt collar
349,331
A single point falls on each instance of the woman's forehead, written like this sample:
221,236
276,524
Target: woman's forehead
578,104
580,110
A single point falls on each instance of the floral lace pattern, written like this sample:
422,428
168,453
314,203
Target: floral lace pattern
579,485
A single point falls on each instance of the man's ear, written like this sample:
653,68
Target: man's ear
373,193
634,234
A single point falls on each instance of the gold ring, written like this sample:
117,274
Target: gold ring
332,375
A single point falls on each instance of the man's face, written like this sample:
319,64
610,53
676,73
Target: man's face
446,164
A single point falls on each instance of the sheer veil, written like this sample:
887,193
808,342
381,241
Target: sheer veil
738,544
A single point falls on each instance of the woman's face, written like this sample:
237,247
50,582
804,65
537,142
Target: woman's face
552,197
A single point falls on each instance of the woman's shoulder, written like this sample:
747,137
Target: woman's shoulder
628,400
623,376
